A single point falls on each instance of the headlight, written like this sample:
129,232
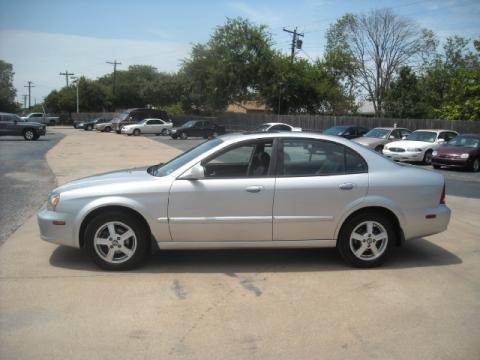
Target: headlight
414,150
464,156
173,131
434,153
53,201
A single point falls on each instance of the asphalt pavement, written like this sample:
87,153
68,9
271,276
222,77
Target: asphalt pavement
25,179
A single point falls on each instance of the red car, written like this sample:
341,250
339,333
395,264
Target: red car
462,151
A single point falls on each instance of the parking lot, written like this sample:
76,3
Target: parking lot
249,304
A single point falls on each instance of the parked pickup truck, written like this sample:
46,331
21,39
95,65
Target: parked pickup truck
12,124
197,128
42,118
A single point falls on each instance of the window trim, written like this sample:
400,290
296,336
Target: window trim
279,163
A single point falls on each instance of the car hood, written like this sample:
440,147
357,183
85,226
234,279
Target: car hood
368,141
110,178
31,123
410,144
455,149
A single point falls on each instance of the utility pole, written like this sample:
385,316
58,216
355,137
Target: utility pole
25,100
296,41
77,82
66,74
29,86
114,63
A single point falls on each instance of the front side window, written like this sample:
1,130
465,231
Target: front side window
250,159
309,157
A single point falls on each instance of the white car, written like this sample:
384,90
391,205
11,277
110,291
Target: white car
418,146
274,127
148,126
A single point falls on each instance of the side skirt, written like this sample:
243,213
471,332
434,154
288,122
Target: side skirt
172,245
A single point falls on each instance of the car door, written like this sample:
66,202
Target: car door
8,126
151,127
317,181
233,202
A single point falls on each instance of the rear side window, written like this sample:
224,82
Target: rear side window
310,157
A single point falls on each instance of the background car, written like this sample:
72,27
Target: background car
418,146
90,124
251,190
148,126
376,138
272,127
104,127
134,116
14,125
197,128
346,131
461,151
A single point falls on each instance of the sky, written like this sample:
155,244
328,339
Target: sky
42,38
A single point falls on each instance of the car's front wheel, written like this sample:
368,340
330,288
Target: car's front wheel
30,134
108,129
164,132
366,239
475,165
116,241
427,158
136,132
183,136
379,148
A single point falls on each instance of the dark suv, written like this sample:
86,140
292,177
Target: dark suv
11,124
134,116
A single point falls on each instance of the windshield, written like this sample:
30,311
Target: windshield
427,136
336,130
182,159
377,133
462,141
263,128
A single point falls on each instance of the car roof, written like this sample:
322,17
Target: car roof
275,123
390,128
436,130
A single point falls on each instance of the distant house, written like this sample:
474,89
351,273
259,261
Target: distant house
247,107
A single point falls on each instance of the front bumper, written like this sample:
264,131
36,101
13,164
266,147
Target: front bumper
403,156
126,131
456,162
42,131
57,234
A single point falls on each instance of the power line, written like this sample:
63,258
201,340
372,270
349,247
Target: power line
29,86
66,74
114,63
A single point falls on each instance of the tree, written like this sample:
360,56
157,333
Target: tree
232,66
370,48
7,90
405,97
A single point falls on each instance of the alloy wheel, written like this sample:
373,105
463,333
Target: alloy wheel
368,240
115,242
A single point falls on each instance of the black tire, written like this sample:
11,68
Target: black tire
141,234
183,136
436,166
51,123
136,132
174,137
107,129
379,148
427,158
30,134
475,167
344,245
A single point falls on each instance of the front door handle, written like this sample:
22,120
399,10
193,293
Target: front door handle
254,189
346,186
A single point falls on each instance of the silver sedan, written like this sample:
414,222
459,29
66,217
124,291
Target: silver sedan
259,190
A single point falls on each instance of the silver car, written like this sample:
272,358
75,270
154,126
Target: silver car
377,138
271,190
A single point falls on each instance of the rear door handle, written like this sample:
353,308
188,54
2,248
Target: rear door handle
254,189
346,186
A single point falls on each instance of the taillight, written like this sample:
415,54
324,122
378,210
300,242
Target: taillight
443,196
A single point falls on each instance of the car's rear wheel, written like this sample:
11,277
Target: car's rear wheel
164,132
136,132
30,134
183,136
108,129
427,158
116,241
475,165
366,239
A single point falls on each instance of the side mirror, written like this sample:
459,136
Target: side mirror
196,172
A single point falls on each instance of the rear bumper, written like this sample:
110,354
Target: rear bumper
425,222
